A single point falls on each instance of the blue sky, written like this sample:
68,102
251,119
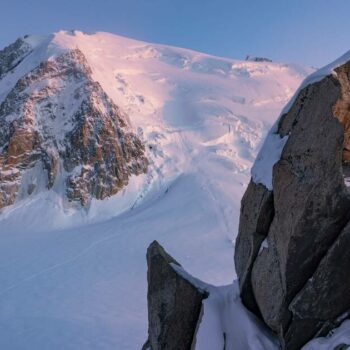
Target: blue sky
313,32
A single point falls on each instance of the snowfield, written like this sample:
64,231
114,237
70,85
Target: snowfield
76,278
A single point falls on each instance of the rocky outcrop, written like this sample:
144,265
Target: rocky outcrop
256,215
58,122
12,55
296,280
174,303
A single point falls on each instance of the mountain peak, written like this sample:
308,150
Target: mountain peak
60,130
78,109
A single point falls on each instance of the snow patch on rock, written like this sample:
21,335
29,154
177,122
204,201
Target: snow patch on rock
268,156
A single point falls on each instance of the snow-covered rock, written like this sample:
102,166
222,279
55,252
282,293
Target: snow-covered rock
12,55
59,119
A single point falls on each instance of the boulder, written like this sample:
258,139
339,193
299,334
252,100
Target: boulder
294,282
174,303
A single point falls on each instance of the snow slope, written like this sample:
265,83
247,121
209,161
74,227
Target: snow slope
76,279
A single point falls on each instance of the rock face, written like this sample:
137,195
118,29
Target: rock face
296,280
256,215
59,129
12,55
174,303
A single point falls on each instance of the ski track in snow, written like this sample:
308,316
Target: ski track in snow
61,264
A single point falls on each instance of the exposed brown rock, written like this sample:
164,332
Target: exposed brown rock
58,116
341,108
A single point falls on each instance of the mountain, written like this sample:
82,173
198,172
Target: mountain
107,144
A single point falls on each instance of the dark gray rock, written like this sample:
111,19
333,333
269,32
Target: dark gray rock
255,218
174,303
326,296
311,202
294,279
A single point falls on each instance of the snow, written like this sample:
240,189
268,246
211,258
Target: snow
226,321
264,245
76,279
268,156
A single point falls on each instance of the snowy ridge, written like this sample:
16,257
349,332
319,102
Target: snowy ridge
202,119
